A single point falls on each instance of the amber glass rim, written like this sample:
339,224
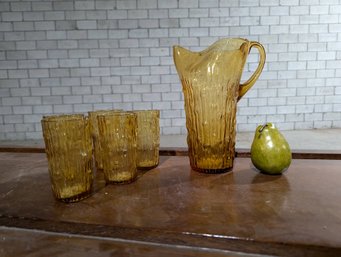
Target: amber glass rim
147,111
120,113
99,112
63,117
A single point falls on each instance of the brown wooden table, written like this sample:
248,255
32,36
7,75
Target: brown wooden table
174,211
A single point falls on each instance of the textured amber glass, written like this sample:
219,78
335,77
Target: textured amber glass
69,153
148,138
98,153
118,139
211,86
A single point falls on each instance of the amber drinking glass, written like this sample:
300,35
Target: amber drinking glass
98,153
117,132
211,86
69,153
148,138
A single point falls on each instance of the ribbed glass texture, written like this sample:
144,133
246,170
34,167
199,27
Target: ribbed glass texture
117,133
69,152
148,138
211,87
98,153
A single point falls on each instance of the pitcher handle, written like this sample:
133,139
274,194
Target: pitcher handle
243,88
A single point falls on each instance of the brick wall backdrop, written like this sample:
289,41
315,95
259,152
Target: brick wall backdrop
78,56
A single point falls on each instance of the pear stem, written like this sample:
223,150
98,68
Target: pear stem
262,128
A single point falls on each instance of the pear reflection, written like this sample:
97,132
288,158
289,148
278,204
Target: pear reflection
213,206
269,196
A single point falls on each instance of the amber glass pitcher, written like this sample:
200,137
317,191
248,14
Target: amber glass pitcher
211,86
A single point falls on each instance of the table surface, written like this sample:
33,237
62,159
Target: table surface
172,210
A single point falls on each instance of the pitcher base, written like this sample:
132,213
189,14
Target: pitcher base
212,171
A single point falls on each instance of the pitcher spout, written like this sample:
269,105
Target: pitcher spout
180,53
181,58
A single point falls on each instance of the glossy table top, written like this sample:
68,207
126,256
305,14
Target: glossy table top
295,214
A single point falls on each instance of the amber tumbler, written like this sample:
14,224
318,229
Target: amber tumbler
98,153
117,133
148,138
69,153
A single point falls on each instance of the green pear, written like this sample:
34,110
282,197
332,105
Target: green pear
270,152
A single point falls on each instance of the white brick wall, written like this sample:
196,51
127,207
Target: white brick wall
82,55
